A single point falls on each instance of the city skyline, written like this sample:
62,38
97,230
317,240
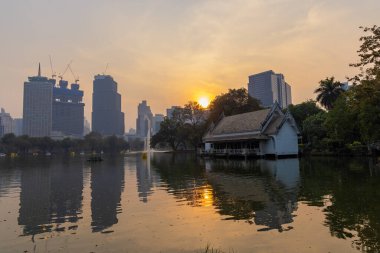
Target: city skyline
179,50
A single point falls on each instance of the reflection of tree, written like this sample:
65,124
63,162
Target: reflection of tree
185,178
51,193
354,211
107,184
239,190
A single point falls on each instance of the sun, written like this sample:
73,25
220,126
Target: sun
204,102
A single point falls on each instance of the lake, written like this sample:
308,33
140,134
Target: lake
182,203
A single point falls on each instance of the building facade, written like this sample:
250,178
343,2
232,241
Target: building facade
37,106
170,111
157,119
144,121
269,87
267,132
68,110
6,123
17,127
107,117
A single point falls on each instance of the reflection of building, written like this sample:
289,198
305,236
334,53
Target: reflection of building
50,194
6,123
66,192
68,109
35,200
107,184
260,133
37,106
107,117
269,87
144,116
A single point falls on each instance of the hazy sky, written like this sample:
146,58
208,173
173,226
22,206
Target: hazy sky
172,51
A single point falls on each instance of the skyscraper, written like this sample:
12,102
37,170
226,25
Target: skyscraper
68,109
37,107
144,119
6,123
107,117
157,120
269,87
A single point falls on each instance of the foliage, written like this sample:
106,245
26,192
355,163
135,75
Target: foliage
328,92
369,54
92,142
236,101
302,111
188,124
185,127
340,122
314,129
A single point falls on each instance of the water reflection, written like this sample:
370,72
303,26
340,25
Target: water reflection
107,184
262,192
145,179
339,194
51,193
184,177
350,191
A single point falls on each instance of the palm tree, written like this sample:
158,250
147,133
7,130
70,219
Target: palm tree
328,92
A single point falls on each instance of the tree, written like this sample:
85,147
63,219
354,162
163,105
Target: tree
328,92
169,133
341,122
301,112
314,128
235,101
94,141
369,53
186,127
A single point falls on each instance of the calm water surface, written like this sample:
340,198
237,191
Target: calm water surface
180,203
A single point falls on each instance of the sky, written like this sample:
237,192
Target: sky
169,52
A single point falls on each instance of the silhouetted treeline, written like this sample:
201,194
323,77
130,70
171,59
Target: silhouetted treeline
93,142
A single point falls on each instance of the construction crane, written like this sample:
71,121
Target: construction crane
76,78
53,75
67,67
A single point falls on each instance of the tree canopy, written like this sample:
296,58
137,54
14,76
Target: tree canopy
235,101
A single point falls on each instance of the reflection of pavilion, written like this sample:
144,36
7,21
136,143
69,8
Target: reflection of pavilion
264,191
107,184
50,194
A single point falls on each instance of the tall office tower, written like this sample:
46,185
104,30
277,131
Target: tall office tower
157,119
17,127
68,109
107,117
6,123
144,119
169,111
269,87
37,108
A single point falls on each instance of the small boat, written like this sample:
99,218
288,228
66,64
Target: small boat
3,155
48,154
